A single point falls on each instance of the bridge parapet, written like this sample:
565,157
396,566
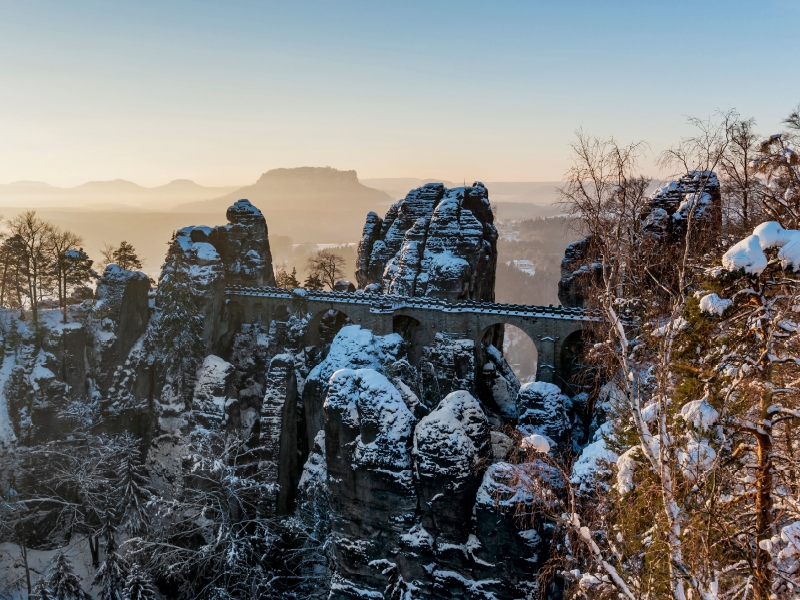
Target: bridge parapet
391,303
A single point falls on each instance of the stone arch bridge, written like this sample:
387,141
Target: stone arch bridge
553,330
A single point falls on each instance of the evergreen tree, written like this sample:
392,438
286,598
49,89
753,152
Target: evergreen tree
63,583
125,256
113,571
138,585
74,269
41,591
131,489
180,327
286,280
313,282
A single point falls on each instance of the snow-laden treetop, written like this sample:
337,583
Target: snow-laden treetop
748,254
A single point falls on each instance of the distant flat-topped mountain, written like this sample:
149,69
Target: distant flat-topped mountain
308,204
118,191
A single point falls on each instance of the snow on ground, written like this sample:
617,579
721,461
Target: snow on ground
695,459
700,413
12,571
536,442
450,431
594,457
626,466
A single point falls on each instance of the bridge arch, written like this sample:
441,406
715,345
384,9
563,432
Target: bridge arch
494,334
570,350
280,312
233,315
325,324
416,334
257,313
520,352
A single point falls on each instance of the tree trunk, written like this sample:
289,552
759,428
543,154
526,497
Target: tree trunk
24,552
94,548
5,275
763,576
62,293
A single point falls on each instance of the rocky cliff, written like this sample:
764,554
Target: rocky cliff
390,475
664,220
436,242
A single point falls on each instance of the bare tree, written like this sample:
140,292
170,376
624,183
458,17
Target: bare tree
31,240
740,183
646,279
326,266
107,252
67,261
778,163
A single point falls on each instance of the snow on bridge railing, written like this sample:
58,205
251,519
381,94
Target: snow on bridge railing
390,303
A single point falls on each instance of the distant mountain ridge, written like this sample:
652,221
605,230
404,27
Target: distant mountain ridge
308,204
117,191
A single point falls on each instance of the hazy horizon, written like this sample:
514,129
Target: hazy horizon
220,93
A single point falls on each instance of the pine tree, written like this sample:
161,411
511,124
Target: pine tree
180,327
313,282
131,488
286,280
125,256
63,583
74,268
138,586
113,571
41,591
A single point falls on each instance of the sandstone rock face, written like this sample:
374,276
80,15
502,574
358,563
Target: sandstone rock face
664,224
449,445
278,433
581,273
447,365
234,254
353,348
510,551
542,409
368,431
696,193
243,245
210,391
120,317
436,242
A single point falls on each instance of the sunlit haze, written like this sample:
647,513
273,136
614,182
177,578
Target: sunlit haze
220,92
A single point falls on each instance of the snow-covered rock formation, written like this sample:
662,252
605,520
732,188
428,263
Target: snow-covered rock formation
381,459
664,220
436,242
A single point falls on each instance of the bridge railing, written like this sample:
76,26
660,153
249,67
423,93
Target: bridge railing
391,302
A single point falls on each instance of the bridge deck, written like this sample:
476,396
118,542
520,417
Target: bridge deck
389,303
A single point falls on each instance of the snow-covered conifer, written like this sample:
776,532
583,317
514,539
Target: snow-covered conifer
139,586
62,582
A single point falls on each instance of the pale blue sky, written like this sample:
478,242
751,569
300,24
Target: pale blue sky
219,92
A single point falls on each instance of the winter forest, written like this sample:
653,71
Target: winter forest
165,440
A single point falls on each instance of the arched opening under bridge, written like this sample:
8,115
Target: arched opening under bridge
415,334
324,326
503,353
574,377
520,353
280,313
